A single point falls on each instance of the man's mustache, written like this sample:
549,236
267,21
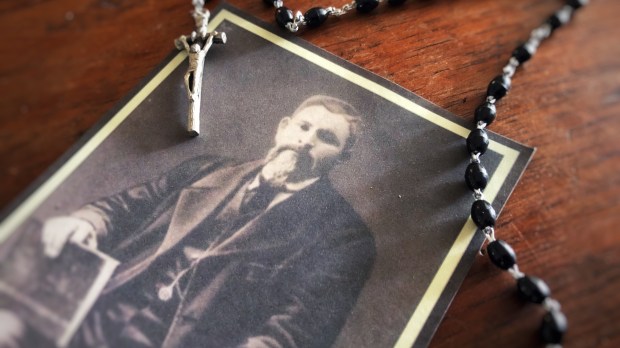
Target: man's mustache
297,148
304,159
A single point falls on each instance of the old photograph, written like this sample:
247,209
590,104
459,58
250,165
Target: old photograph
314,214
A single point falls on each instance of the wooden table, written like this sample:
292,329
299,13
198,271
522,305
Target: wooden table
64,63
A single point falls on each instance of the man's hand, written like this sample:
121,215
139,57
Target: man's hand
12,330
59,230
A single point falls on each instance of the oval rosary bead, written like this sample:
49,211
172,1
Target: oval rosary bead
554,22
483,214
561,17
501,254
499,87
522,54
284,16
365,6
486,113
576,4
476,177
553,327
315,16
477,141
533,289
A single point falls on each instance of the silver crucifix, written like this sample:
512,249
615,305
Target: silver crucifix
197,45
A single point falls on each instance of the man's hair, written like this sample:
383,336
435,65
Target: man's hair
338,106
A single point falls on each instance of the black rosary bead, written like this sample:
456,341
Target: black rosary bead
315,16
476,176
486,113
576,4
533,289
498,87
396,2
560,18
554,22
522,54
365,6
501,254
483,214
478,141
284,16
553,327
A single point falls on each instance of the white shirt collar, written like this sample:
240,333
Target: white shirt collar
290,187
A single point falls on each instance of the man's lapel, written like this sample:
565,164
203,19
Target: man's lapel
199,201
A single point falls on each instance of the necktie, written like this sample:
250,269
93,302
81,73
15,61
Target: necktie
258,199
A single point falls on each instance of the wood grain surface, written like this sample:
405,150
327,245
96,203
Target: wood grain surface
64,63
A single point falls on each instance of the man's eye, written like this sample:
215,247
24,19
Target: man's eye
328,137
304,127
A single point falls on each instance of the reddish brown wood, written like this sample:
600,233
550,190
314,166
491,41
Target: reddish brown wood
64,63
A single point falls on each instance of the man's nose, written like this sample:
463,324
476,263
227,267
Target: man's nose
307,140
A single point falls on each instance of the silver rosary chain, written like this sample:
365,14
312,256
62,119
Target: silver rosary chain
342,10
299,20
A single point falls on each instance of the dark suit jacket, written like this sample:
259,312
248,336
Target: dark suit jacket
287,279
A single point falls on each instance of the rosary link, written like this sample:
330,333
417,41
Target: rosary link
501,254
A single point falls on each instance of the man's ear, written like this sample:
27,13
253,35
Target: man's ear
284,122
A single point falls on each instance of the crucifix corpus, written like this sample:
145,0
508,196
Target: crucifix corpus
196,45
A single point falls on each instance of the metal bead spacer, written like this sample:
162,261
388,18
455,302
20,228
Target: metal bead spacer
489,233
509,70
298,20
514,62
481,125
292,27
491,99
532,45
553,345
564,14
348,7
475,157
541,32
299,17
278,3
538,34
478,195
332,11
551,304
514,271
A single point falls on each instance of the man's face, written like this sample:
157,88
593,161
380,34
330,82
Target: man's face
317,135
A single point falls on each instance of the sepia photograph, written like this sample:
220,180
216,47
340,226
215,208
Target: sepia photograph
320,206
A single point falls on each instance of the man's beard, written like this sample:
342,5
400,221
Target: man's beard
287,164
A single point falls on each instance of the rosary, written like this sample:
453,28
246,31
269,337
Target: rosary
501,254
